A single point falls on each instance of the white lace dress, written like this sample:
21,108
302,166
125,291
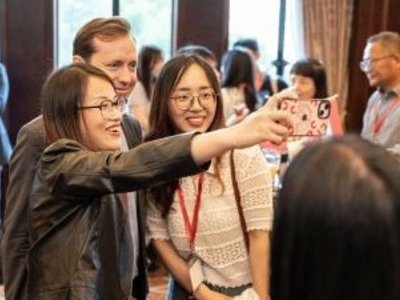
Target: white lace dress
219,240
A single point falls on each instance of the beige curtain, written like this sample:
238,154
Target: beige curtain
327,29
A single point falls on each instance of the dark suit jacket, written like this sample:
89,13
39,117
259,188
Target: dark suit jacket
29,147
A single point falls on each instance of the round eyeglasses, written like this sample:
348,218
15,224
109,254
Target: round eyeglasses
185,101
107,107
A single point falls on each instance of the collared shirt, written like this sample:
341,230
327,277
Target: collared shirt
381,123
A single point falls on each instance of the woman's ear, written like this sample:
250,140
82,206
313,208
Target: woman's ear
76,59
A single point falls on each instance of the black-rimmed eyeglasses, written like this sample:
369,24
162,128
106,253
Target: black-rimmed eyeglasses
107,107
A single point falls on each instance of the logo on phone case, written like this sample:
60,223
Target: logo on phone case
311,117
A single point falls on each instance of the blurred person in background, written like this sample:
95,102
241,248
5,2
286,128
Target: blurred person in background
308,79
266,85
381,65
5,145
150,62
238,89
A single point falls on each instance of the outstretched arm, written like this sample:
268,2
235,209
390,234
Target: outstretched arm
266,124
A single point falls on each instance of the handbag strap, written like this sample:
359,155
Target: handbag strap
238,202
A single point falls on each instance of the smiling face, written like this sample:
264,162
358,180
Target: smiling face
384,67
97,132
303,85
118,59
197,118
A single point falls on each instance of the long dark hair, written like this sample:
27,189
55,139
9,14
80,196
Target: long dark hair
237,68
148,57
336,226
160,122
62,94
310,67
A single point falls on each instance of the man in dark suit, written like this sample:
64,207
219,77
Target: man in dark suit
108,44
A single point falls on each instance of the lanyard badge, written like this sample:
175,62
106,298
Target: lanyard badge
382,115
195,266
191,227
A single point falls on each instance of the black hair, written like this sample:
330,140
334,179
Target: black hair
199,50
336,226
248,43
310,67
148,57
237,68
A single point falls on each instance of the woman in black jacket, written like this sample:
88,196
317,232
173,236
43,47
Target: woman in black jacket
80,233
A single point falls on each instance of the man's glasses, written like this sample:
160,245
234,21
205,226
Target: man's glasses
368,63
107,107
185,101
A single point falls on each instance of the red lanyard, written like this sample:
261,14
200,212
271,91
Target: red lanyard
191,227
380,117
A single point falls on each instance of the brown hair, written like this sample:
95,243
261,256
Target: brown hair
105,29
62,94
161,124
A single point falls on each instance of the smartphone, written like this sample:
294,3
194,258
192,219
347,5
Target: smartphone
311,116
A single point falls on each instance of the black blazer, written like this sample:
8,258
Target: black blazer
29,147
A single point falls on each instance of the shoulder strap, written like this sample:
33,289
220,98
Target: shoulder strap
238,202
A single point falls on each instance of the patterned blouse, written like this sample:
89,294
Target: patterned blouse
219,241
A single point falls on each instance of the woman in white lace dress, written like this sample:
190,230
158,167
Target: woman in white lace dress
187,98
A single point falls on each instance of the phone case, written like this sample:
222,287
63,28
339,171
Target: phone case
311,117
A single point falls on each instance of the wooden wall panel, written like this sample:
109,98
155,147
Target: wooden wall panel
203,22
2,28
28,55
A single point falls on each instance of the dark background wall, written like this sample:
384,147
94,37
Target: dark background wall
26,36
27,51
203,22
